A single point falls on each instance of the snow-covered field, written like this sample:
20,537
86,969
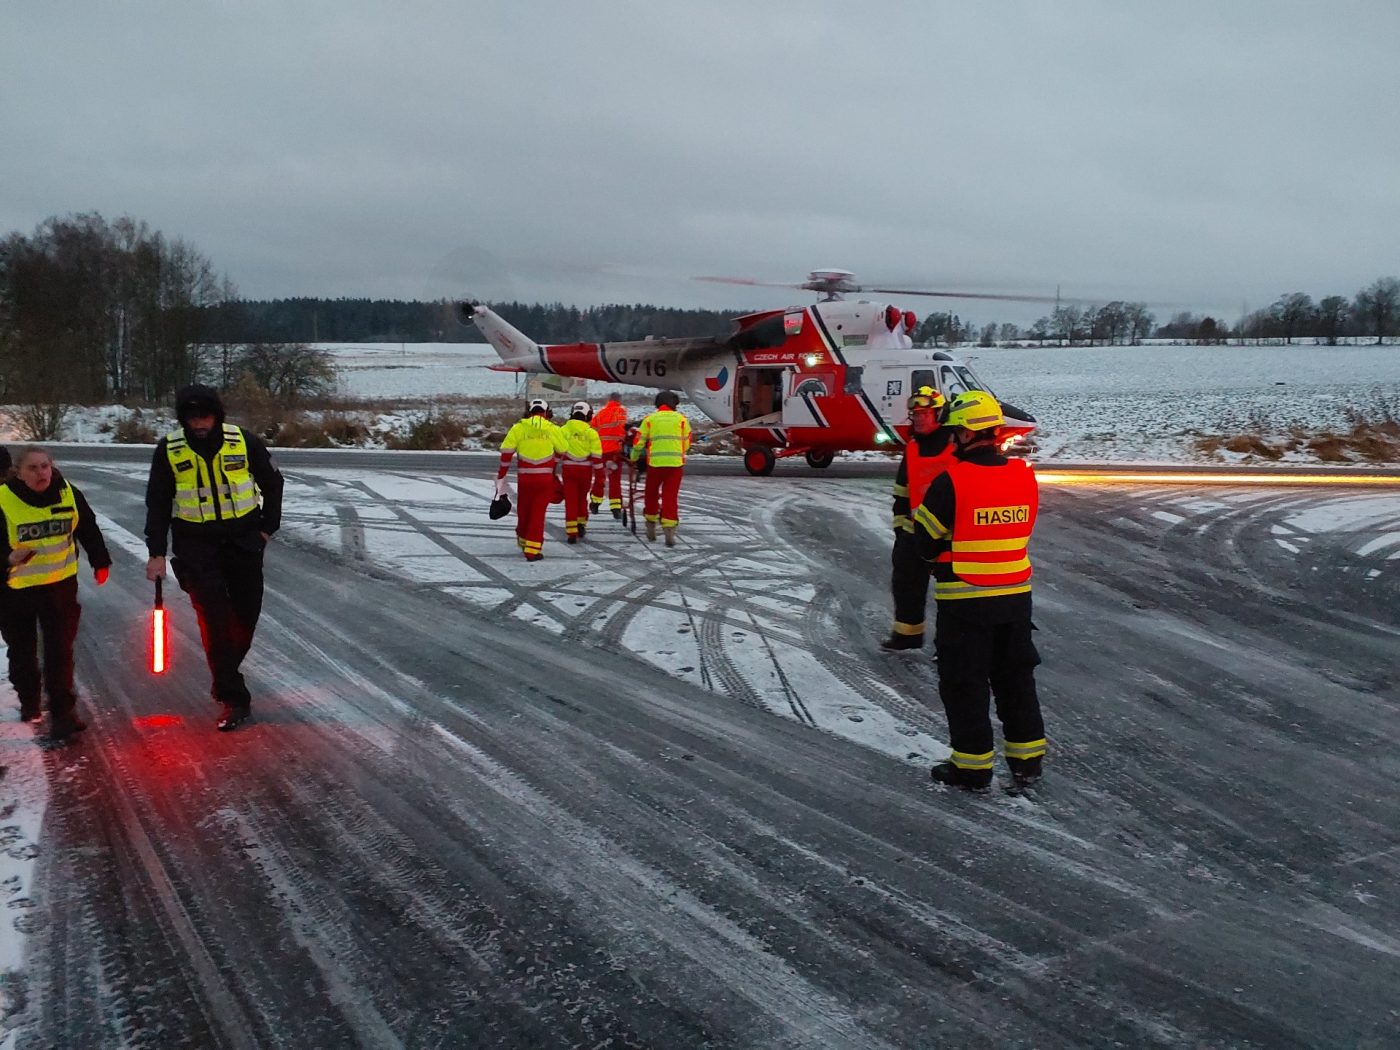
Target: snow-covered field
1116,404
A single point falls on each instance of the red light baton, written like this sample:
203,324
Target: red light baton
158,630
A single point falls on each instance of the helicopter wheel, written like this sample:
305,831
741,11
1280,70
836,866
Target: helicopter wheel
759,461
820,460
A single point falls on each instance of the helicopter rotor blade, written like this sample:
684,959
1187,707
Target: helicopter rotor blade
748,281
1000,297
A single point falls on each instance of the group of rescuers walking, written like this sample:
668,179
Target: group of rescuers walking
963,514
580,462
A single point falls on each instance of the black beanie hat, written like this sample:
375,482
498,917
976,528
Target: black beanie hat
198,400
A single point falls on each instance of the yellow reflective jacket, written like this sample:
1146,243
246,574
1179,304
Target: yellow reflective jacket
203,495
665,435
48,532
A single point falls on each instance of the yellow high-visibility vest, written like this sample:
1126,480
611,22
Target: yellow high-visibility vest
200,497
47,531
665,434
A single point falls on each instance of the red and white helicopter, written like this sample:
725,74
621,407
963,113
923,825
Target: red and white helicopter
814,380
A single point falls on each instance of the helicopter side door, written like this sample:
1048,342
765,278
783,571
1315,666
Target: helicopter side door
802,406
889,387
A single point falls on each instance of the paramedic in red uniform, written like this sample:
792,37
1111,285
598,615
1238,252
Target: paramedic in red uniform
664,439
539,444
610,422
974,527
583,462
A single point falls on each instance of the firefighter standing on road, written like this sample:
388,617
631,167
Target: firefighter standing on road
41,515
214,488
974,527
583,464
664,439
539,444
610,422
926,455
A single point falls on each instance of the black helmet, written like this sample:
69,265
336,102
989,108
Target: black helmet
198,400
669,398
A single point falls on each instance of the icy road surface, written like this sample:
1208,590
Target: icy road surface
637,797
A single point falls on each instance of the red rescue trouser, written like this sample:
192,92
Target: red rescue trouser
536,490
611,478
662,501
577,478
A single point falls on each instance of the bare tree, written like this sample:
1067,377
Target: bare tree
1378,306
1140,322
1332,316
1294,313
1065,323
288,371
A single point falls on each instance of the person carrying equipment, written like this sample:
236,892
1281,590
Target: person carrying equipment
610,422
664,439
538,443
215,491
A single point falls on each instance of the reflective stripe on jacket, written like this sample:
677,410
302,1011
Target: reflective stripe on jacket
201,495
994,514
585,446
48,532
536,441
610,422
665,434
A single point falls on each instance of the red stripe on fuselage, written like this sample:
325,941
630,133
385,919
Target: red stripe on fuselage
581,360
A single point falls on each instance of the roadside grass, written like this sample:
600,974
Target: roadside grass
1364,442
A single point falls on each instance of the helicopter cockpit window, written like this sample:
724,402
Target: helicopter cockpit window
957,379
765,335
923,377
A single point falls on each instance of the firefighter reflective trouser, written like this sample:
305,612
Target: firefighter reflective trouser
609,479
224,580
662,500
52,610
535,490
973,657
909,583
577,478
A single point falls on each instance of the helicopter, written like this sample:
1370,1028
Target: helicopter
833,376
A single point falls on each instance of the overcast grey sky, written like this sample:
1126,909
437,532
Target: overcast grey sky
1201,154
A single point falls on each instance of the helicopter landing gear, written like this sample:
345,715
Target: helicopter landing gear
759,461
820,459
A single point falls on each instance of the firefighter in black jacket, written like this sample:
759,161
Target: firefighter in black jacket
41,515
214,489
974,527
925,455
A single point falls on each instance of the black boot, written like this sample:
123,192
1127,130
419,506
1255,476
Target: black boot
1025,771
233,717
60,729
896,642
617,513
975,780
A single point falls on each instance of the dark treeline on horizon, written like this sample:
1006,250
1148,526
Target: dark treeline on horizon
345,320
92,310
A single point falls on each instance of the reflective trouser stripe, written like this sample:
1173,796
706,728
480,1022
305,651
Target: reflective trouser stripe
963,760
1029,749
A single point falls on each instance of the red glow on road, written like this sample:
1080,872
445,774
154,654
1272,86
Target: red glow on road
157,721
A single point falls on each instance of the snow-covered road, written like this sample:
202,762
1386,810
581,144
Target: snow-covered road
498,804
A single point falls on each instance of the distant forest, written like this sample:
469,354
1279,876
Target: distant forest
399,321
93,311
